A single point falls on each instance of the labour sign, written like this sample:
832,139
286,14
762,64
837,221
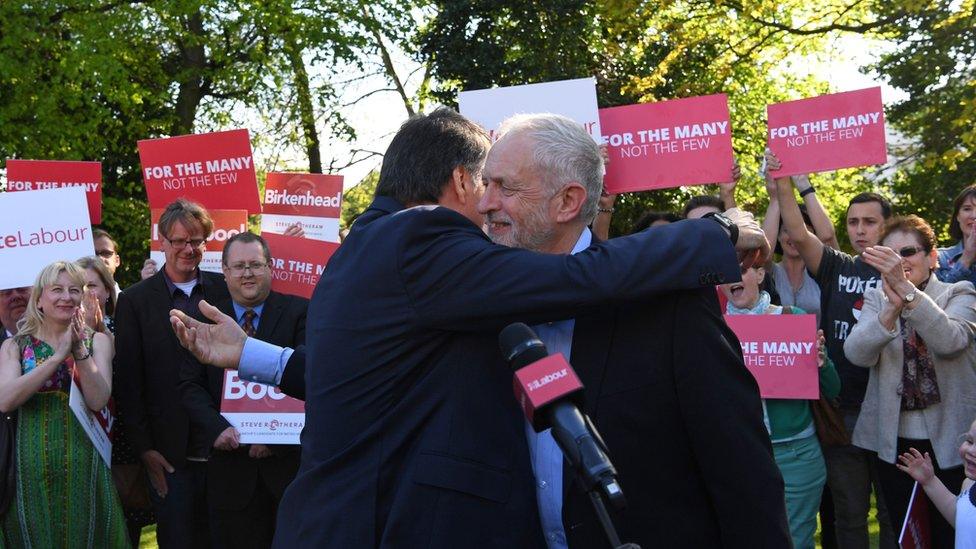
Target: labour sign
32,175
781,353
213,169
297,263
830,132
262,414
311,200
227,223
668,144
97,425
575,99
29,241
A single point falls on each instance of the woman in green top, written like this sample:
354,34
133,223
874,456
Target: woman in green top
790,422
64,491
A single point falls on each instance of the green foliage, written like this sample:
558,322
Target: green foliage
935,63
356,199
642,52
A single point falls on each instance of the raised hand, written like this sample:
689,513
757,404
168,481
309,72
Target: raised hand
887,262
149,268
218,344
918,466
94,318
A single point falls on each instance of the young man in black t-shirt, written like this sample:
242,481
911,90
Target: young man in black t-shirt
843,279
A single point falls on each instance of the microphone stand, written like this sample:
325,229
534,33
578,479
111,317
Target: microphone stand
608,529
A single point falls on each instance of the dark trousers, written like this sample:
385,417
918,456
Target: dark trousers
251,526
897,488
851,474
182,517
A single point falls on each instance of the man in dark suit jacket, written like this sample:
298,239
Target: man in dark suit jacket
147,366
664,379
13,303
245,483
412,437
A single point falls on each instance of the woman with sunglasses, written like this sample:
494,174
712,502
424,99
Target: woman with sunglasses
915,334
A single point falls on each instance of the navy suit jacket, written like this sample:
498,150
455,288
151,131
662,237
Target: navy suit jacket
666,387
412,436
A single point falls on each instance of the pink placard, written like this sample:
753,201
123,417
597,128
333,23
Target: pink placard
262,414
543,381
781,353
297,263
213,169
32,175
830,132
668,144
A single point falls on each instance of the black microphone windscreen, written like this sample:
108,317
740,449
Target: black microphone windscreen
520,346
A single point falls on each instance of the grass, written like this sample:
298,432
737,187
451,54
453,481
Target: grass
873,529
148,538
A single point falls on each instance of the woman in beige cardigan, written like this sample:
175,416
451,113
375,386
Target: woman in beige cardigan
916,335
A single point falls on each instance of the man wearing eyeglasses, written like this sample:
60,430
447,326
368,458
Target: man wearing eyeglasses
245,482
107,249
147,367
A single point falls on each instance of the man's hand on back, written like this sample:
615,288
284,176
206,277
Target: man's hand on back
751,246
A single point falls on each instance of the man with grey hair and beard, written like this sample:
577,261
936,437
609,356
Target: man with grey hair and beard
664,379
412,437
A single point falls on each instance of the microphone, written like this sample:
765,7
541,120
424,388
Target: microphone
551,394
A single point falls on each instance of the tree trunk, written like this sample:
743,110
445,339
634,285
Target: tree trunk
306,112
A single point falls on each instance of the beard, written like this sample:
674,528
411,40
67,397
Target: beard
532,233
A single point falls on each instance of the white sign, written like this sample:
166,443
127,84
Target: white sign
262,414
39,228
575,99
98,426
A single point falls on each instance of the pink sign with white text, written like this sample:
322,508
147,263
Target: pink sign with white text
215,169
262,414
781,353
297,263
668,144
829,132
34,175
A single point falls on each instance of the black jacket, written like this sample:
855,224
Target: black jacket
147,365
232,476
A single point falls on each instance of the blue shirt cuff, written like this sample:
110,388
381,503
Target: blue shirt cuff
263,362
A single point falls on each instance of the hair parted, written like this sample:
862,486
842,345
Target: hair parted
245,238
188,214
911,224
864,198
424,153
33,316
564,152
955,231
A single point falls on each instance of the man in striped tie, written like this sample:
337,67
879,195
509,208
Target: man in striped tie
245,482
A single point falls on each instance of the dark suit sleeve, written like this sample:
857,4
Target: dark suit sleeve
201,407
442,258
293,377
130,382
722,414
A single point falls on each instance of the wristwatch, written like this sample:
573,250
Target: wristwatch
910,296
726,224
